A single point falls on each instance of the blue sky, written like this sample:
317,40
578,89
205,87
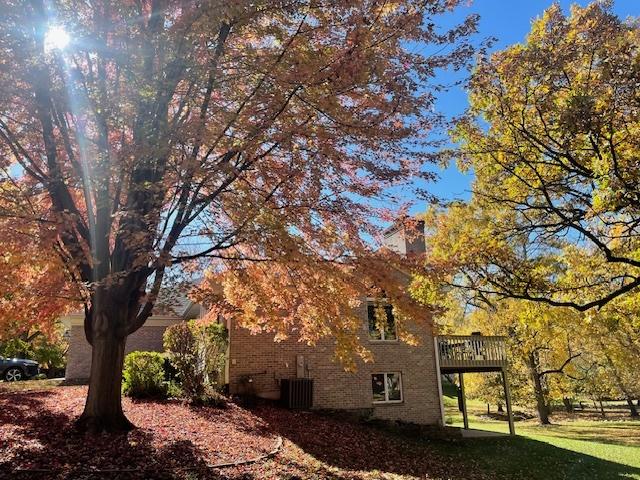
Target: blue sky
508,21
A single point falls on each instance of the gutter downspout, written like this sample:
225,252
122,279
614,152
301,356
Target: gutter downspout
228,353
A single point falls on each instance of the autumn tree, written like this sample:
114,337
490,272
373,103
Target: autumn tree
552,135
542,348
34,289
595,383
563,352
265,135
487,387
464,247
612,335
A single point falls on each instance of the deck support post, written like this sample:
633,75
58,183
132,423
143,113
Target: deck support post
507,397
465,418
436,350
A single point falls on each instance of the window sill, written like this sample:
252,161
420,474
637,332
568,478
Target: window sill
389,402
373,340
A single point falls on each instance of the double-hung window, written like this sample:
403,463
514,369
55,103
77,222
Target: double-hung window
387,387
382,324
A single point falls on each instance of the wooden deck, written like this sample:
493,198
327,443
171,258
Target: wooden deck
471,353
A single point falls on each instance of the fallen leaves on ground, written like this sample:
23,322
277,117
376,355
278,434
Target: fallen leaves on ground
36,432
177,441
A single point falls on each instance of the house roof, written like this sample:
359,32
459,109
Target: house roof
173,305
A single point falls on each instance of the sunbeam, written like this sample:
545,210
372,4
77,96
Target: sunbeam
56,38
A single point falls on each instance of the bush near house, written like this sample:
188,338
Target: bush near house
143,375
196,350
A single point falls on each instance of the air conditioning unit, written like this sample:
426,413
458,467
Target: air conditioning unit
296,393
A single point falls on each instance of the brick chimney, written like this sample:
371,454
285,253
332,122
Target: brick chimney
405,237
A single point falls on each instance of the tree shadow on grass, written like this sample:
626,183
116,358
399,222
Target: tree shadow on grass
353,446
616,438
526,458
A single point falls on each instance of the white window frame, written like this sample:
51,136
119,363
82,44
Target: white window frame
383,301
386,390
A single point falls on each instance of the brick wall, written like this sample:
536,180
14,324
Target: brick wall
147,338
266,362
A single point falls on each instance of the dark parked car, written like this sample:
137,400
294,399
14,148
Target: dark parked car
14,369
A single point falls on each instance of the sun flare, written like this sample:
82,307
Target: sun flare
56,38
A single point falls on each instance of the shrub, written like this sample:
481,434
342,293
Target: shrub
209,398
212,341
170,372
50,355
48,350
197,352
144,375
16,348
174,390
180,344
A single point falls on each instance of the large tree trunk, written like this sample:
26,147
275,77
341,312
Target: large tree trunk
632,407
103,408
541,404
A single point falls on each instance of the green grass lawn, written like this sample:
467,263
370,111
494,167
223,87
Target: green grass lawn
568,449
27,385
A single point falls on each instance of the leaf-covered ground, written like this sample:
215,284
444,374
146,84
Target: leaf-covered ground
36,432
37,440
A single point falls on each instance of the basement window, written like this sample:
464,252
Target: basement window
381,315
386,387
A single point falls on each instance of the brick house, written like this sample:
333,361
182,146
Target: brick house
147,338
402,383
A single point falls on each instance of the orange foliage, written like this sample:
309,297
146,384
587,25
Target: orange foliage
34,291
266,137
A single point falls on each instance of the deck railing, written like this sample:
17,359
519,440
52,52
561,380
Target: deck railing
471,351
